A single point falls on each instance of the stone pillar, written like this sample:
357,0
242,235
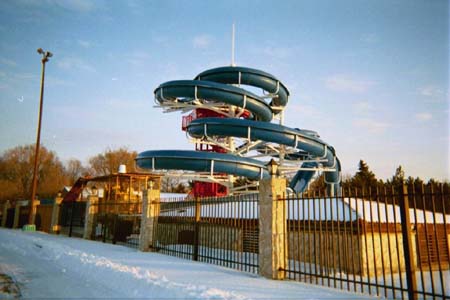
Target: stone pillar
150,213
272,235
5,212
17,214
89,221
55,227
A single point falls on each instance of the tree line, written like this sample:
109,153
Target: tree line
431,195
365,179
16,173
16,170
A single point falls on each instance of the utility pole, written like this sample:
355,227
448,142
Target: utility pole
31,217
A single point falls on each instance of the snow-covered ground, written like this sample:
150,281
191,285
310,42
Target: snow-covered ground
48,266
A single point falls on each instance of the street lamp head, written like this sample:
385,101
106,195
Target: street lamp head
45,54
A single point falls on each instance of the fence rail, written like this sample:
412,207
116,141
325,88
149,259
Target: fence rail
393,243
118,222
376,242
222,231
71,218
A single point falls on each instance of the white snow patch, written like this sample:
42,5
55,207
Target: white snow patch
68,267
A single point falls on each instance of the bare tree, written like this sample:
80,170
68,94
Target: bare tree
74,170
109,161
16,172
168,184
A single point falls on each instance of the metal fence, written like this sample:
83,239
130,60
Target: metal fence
71,218
393,243
117,222
222,231
22,219
387,242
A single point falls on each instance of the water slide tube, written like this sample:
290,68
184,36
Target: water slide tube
212,89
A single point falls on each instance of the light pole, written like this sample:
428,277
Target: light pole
31,217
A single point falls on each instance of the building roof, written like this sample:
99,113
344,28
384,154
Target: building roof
346,209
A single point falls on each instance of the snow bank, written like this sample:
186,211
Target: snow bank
127,280
69,267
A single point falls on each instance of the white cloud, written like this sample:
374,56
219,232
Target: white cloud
25,76
423,117
137,57
277,52
82,6
161,40
75,5
309,110
75,63
135,7
84,44
369,38
8,62
372,126
430,91
362,107
346,83
55,81
202,41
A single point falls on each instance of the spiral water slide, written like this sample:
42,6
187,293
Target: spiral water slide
220,90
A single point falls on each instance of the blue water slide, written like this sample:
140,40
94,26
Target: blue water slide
221,87
305,141
210,162
248,76
190,91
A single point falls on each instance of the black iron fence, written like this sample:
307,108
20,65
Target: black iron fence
22,218
72,218
117,222
10,217
391,243
221,231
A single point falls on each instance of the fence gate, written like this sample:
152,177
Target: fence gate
221,231
118,223
71,218
391,243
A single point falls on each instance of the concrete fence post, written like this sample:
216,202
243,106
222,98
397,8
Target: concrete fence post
411,280
150,213
55,228
5,212
17,214
198,215
272,235
89,220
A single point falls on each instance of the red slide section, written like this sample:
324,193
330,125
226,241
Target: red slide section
205,189
76,190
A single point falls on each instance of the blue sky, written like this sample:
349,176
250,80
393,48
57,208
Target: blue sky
370,76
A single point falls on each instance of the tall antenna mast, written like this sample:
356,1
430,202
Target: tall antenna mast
232,46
